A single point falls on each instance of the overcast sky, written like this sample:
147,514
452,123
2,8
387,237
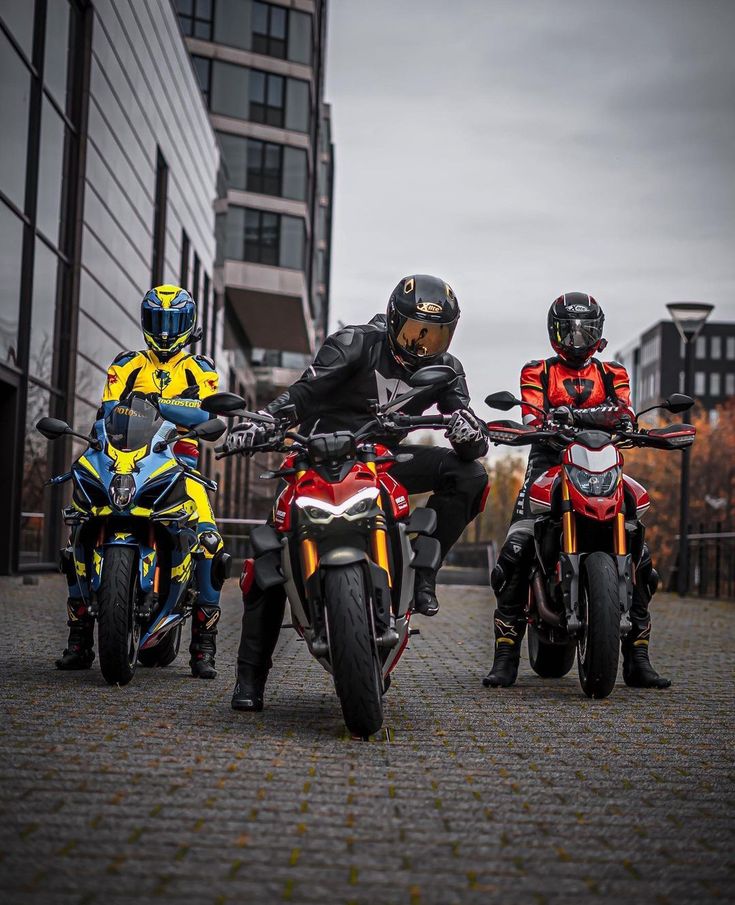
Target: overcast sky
524,148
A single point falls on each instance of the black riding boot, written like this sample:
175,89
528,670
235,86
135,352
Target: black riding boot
261,625
203,647
424,598
508,637
79,653
637,669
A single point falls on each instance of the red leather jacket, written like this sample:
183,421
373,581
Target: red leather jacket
598,393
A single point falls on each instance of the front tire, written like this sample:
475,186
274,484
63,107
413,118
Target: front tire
119,632
550,661
165,652
355,663
598,649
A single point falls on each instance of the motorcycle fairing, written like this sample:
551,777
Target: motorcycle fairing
639,495
542,489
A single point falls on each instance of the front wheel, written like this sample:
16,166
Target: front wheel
550,661
355,663
165,652
119,632
598,648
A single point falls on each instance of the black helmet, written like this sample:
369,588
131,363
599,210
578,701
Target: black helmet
422,314
575,327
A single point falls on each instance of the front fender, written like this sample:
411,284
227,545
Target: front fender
147,560
342,557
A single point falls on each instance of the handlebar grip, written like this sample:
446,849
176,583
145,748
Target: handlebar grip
427,420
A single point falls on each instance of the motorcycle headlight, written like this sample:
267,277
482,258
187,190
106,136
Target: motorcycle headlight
122,490
321,512
592,483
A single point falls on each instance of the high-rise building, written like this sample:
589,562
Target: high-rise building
108,177
261,69
655,362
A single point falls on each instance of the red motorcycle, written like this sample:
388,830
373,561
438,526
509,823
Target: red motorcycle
346,545
588,538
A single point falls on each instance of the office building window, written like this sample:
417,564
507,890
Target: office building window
714,384
730,348
203,69
716,347
265,28
159,219
251,94
730,384
266,98
195,17
11,251
269,29
264,237
700,350
299,37
264,167
700,383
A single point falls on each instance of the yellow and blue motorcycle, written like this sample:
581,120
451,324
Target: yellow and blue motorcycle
133,527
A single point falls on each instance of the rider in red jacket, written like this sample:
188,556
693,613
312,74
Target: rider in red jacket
573,385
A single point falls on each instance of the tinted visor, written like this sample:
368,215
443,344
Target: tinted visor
578,335
166,325
423,339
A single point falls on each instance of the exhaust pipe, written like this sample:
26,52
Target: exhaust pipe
542,601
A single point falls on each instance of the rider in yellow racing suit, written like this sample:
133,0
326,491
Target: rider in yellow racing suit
166,370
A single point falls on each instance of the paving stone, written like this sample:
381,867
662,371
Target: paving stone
159,792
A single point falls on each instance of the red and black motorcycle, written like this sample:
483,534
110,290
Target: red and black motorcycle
346,545
588,537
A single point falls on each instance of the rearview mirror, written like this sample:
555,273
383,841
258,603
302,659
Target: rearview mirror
210,430
52,428
678,402
504,401
433,376
222,403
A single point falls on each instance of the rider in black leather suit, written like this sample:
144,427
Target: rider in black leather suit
355,367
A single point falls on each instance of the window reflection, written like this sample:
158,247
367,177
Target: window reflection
11,246
43,312
57,50
50,172
15,89
34,501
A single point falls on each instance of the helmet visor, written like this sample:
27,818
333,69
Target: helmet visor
423,339
166,325
578,335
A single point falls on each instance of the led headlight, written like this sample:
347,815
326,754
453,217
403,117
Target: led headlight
592,483
321,513
122,490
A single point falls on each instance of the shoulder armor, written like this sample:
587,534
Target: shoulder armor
533,364
613,364
205,363
124,357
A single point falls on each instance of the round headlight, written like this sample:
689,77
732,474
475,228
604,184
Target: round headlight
592,483
122,490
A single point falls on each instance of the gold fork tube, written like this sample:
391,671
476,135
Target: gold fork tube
568,523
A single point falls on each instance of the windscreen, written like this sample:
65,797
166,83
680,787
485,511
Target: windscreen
131,424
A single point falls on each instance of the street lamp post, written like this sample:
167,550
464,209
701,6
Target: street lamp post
689,318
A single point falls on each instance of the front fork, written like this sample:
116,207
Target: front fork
570,562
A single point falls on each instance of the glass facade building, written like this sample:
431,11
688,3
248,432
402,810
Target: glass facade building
261,72
108,177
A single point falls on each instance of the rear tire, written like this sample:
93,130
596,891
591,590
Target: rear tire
550,661
355,663
119,633
165,652
599,647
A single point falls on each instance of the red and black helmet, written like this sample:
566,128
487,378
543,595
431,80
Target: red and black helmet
422,315
575,325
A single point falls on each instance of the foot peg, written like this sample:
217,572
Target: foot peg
319,646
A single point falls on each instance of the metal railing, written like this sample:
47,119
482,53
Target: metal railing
712,564
236,535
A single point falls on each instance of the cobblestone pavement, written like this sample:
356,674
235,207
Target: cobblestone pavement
159,791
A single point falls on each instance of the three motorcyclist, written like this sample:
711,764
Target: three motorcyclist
355,367
164,370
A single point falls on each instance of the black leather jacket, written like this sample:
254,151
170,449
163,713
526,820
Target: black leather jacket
355,367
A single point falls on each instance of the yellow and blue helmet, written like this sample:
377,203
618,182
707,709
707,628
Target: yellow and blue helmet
168,316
